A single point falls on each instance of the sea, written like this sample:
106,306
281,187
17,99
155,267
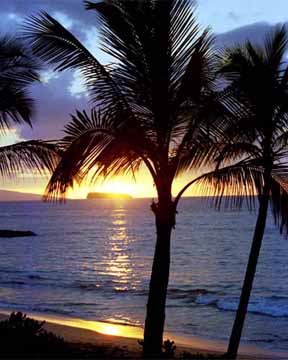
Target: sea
92,260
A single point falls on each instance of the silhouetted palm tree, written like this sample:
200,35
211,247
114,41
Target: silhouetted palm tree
18,70
258,140
154,107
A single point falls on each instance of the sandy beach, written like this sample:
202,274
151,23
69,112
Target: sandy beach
97,333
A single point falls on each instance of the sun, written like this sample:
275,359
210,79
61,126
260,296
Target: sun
119,187
140,187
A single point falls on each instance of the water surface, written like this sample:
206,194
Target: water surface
92,260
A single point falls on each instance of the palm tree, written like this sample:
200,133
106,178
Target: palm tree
258,142
154,106
18,70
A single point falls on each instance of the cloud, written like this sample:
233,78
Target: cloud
47,75
77,86
54,104
64,19
10,136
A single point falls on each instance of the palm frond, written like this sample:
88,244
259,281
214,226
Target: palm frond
18,69
153,42
56,45
232,152
33,155
16,106
233,184
206,131
95,148
275,47
199,73
279,199
17,65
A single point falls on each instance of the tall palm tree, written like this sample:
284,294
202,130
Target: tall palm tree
255,150
152,106
18,70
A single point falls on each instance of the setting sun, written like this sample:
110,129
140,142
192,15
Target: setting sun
119,187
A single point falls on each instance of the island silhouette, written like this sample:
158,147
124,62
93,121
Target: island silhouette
103,195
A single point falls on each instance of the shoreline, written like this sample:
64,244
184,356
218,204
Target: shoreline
100,333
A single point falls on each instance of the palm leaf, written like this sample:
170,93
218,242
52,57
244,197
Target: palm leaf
56,45
33,155
17,66
275,47
15,106
233,184
95,147
18,69
279,199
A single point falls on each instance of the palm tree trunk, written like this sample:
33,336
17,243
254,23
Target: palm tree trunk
155,315
250,273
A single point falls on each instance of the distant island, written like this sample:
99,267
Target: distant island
100,195
7,195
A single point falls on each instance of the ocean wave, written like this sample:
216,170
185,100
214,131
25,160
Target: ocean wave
35,277
12,282
263,307
87,286
273,306
188,293
206,300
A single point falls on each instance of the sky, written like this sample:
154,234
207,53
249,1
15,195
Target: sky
232,21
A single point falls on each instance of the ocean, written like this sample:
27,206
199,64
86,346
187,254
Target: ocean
92,260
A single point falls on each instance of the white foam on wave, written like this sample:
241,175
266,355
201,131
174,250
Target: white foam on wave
271,307
265,307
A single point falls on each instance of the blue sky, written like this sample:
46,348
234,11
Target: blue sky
225,15
60,94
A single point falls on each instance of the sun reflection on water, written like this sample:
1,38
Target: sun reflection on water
118,262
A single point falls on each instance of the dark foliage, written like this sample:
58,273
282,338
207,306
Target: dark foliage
18,70
254,140
21,336
24,337
169,349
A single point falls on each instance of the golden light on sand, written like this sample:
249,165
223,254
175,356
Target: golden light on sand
101,327
108,329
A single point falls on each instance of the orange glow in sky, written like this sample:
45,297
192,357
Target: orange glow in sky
142,186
